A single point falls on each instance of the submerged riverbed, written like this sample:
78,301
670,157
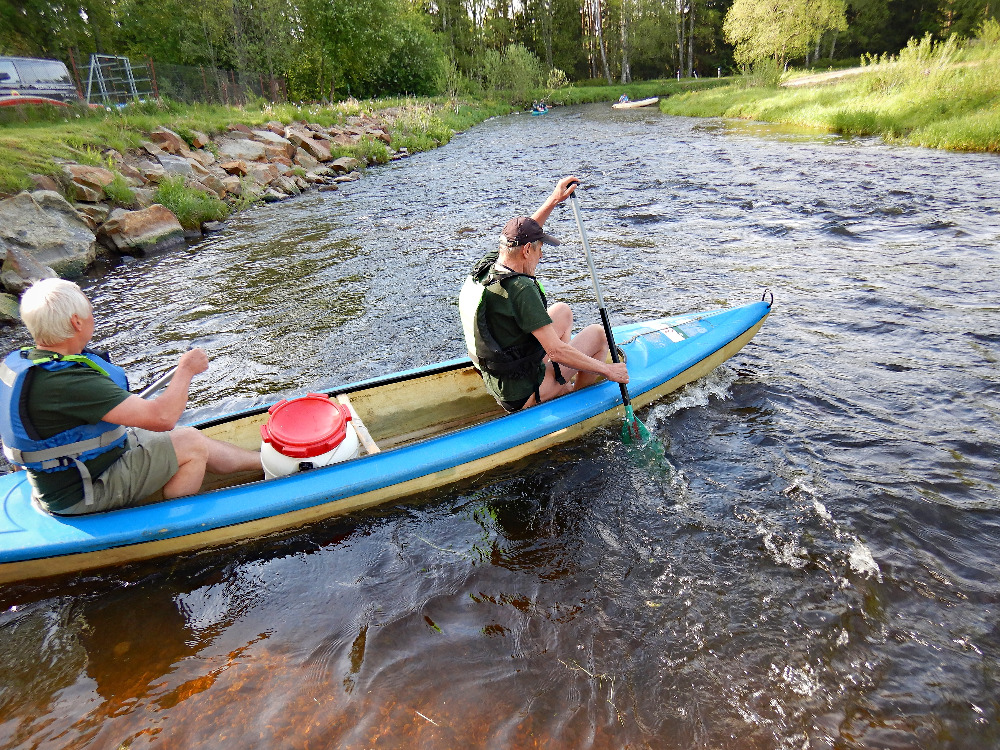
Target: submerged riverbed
820,570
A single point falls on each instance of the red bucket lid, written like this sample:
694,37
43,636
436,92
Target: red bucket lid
307,426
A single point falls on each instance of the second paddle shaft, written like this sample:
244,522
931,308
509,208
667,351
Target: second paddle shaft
597,288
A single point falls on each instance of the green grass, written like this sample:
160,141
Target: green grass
191,207
119,192
939,96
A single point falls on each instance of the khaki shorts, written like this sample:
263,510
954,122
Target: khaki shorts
148,463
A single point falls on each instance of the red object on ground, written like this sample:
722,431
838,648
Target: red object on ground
6,101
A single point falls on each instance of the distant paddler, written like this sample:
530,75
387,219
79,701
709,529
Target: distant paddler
521,346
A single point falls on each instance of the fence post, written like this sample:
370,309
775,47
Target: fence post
152,78
236,90
204,83
76,73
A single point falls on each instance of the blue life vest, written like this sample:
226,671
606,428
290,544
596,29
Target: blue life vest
69,449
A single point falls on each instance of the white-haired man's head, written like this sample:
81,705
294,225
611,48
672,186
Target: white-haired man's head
47,309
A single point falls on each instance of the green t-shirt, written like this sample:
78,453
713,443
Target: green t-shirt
59,401
511,322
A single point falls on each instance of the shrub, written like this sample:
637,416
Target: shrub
514,74
120,192
557,79
191,207
761,74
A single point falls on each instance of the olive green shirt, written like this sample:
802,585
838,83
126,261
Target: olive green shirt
511,322
59,401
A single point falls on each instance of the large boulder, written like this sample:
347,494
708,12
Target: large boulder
44,182
345,164
216,184
241,150
237,167
176,165
20,270
152,173
141,232
203,157
317,149
303,159
168,140
93,213
10,309
87,183
273,139
263,174
47,228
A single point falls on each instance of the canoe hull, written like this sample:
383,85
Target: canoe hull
633,105
232,514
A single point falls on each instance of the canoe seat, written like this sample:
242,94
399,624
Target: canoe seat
359,427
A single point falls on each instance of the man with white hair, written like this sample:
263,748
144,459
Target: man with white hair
88,444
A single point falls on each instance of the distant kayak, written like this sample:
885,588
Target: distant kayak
539,111
639,103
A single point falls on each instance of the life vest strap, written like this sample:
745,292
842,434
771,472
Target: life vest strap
49,458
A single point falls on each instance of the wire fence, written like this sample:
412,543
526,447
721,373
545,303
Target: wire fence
188,83
112,80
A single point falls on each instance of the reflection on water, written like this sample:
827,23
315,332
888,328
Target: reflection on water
817,568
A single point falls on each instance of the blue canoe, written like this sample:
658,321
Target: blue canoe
421,429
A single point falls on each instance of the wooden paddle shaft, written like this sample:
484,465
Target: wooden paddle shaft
597,289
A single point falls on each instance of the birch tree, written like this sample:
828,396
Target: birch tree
780,29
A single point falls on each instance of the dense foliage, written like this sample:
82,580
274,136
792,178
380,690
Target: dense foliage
332,49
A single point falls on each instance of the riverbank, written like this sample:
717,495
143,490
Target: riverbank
933,95
78,135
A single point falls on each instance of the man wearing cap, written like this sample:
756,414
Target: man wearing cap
522,346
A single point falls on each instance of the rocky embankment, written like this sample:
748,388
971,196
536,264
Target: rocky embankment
61,227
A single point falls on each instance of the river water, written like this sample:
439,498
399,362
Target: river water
821,570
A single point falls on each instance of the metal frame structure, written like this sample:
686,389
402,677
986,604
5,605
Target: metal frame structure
117,80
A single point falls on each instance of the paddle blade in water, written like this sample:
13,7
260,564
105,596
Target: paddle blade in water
634,431
646,449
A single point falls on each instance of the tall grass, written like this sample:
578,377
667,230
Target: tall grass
191,207
936,94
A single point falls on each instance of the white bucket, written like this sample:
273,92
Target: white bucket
279,465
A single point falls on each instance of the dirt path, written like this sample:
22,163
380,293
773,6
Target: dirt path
820,79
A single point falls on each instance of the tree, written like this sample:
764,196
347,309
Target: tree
763,29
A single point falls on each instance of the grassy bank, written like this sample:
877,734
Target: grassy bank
80,135
944,95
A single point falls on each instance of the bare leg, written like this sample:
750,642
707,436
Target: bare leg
197,453
592,342
562,319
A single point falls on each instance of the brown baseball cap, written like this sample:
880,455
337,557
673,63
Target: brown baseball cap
522,229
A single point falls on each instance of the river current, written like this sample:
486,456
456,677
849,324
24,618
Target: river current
821,569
